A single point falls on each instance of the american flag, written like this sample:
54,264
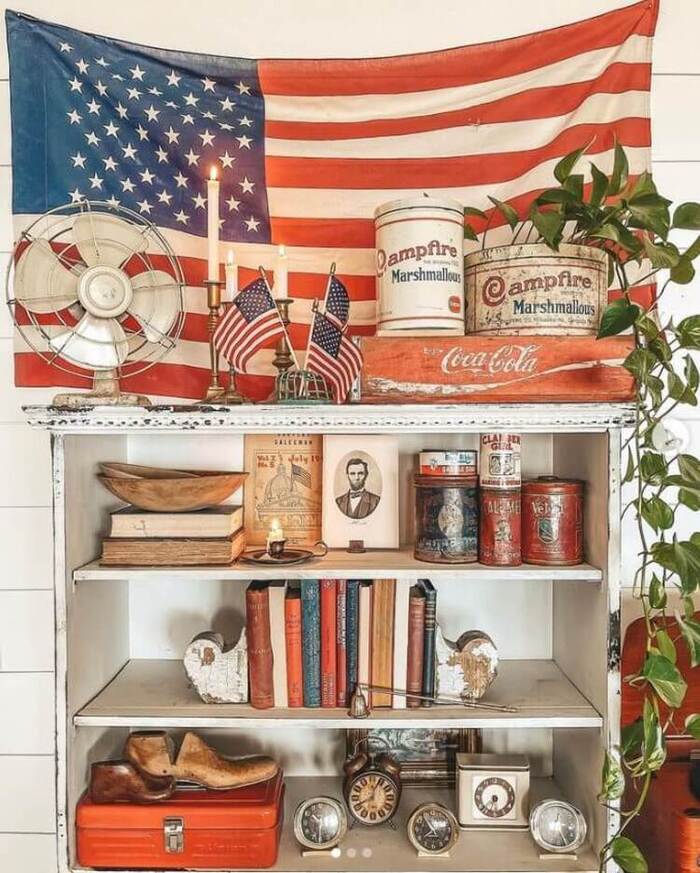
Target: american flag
301,475
307,149
334,356
337,303
251,321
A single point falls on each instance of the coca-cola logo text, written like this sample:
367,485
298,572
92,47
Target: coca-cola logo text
509,358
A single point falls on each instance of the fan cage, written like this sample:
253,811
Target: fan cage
58,222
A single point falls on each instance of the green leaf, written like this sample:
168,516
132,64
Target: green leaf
688,332
657,513
599,188
653,746
687,216
469,232
689,467
689,499
627,856
690,371
660,348
666,645
682,558
618,178
644,184
693,249
692,725
647,326
657,593
690,629
688,607
684,271
507,211
617,316
640,363
665,678
574,184
471,210
563,168
556,195
629,472
613,779
653,467
662,255
676,386
549,225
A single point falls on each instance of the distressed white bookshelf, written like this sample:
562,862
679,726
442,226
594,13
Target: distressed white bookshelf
120,632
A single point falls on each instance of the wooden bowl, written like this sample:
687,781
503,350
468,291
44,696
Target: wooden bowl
183,494
138,471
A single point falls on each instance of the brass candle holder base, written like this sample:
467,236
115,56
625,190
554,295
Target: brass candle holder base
231,396
215,389
283,359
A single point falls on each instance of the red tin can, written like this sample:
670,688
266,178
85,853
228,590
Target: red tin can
552,521
499,463
500,527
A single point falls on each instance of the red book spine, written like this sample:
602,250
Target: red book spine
292,630
416,622
341,644
328,642
257,605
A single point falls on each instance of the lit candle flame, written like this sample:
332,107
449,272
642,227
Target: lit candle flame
282,252
212,172
229,256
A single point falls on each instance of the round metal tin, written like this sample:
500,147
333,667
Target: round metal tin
552,530
447,515
500,527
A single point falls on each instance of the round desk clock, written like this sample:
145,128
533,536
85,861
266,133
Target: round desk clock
320,823
432,829
557,826
372,787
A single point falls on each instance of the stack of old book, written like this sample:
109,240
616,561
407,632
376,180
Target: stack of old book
174,539
310,643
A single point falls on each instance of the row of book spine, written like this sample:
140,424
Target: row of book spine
310,643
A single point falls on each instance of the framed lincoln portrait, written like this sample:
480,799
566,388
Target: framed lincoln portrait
360,491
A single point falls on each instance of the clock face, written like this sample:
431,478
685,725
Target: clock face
320,823
373,798
557,826
494,797
432,828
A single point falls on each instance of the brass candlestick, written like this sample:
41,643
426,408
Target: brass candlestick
283,358
215,389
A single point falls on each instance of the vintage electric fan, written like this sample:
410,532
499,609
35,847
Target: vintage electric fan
97,292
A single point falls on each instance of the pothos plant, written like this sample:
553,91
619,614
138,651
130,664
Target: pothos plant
632,222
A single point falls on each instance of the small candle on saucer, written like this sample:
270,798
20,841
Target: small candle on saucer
275,539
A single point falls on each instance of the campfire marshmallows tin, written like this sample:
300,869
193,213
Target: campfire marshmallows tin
446,519
552,521
530,289
420,266
500,460
447,463
499,527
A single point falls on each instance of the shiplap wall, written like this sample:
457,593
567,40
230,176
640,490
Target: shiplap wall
255,28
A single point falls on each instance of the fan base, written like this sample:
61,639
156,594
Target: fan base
91,399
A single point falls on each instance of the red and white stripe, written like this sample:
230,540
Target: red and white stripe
343,136
341,372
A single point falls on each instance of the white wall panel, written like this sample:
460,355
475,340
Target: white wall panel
12,399
675,127
25,545
28,796
27,726
5,320
28,853
26,631
25,466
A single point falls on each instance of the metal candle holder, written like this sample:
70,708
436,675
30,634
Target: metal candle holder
216,393
283,359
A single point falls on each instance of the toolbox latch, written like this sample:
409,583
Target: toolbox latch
174,835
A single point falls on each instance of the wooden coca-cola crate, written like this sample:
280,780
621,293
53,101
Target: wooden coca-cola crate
474,369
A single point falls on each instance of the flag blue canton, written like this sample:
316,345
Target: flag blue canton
138,127
326,336
254,300
338,302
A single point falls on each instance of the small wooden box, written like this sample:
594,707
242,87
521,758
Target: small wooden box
194,830
493,791
507,369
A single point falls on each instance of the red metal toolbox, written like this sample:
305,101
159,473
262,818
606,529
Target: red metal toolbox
194,830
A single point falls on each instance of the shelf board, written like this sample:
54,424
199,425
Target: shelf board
339,564
350,418
150,693
381,850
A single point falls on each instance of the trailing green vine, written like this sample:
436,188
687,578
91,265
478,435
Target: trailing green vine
632,222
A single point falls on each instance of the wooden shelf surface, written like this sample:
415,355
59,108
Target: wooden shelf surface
383,850
340,564
151,693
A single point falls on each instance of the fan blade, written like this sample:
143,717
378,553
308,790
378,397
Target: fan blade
156,303
105,240
42,283
97,343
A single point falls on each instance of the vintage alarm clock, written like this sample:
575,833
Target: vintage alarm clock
372,785
432,829
320,823
557,826
493,791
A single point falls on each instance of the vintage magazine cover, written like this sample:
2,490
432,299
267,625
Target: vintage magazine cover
285,483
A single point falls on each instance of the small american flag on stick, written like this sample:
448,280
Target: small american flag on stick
301,475
333,355
251,322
